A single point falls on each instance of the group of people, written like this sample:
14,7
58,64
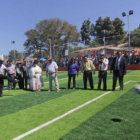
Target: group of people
118,67
31,73
27,72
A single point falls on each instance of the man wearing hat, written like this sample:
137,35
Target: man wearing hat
52,69
102,75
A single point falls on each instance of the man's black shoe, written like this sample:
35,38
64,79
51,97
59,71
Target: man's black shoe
1,95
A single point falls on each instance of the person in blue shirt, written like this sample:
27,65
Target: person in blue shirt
72,71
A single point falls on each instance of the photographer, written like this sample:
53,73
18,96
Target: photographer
102,75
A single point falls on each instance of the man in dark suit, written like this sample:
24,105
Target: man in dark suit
118,66
25,68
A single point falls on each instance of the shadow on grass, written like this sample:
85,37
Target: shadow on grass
116,120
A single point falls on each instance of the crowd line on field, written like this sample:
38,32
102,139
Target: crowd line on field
28,74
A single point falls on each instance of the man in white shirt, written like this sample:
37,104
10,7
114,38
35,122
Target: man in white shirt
102,75
11,73
2,68
2,77
52,69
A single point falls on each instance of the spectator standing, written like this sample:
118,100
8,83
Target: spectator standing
118,66
2,68
19,74
52,70
87,68
102,75
126,56
11,73
26,68
72,71
35,75
2,77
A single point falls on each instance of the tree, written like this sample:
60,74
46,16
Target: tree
86,31
109,31
54,33
135,38
119,32
98,30
15,55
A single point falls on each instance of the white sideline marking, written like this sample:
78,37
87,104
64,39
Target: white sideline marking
135,81
58,80
62,116
5,90
125,75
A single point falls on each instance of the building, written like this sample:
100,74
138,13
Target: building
108,50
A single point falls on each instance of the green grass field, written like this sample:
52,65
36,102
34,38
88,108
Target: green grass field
114,116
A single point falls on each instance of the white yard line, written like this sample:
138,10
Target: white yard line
125,75
5,90
62,116
135,81
58,80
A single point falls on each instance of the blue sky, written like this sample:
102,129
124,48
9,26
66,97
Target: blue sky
18,16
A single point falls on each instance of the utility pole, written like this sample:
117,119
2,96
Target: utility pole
104,38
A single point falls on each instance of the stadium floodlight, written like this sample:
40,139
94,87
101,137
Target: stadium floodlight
124,14
131,12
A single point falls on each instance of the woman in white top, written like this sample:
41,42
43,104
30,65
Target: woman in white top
35,75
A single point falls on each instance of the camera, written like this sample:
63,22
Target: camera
100,60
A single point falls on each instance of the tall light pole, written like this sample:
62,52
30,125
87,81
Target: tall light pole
124,14
13,42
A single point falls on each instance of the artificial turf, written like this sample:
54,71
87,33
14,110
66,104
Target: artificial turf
119,121
58,129
26,110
